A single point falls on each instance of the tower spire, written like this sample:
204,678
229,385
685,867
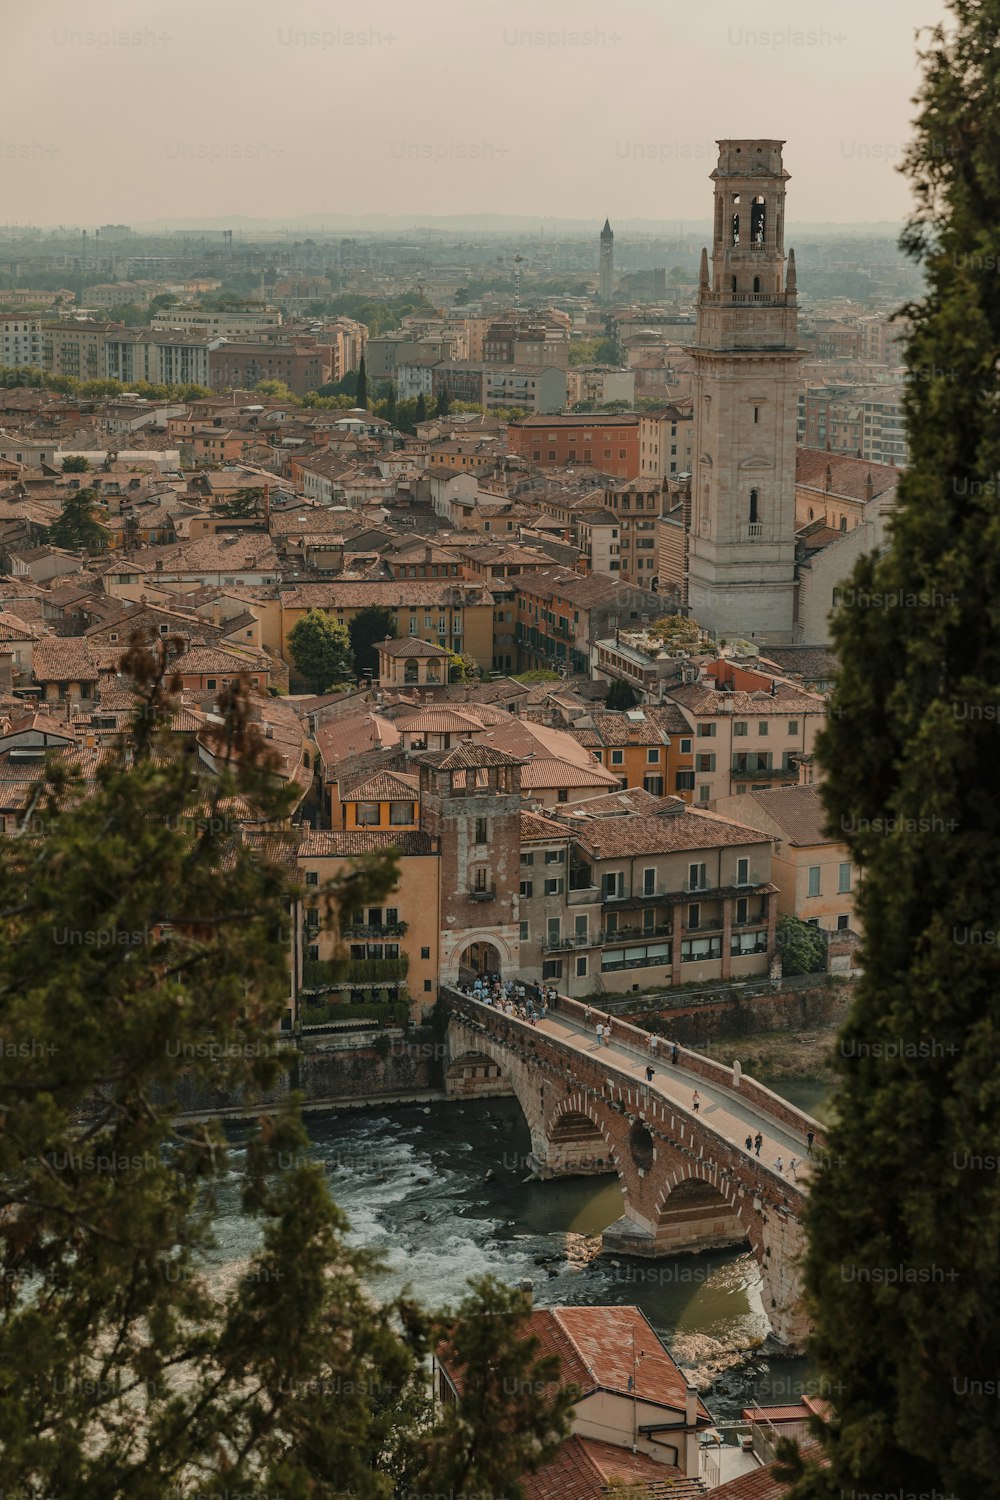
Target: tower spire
790,284
703,272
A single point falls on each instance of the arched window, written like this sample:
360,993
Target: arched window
758,221
754,516
734,284
736,219
843,523
756,283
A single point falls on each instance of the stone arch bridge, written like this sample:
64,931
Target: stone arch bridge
687,1180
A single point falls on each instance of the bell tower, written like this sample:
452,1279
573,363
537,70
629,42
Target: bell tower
741,573
606,281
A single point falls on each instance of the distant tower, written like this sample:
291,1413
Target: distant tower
606,285
741,575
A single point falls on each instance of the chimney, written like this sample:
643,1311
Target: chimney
869,487
527,1290
829,479
690,1406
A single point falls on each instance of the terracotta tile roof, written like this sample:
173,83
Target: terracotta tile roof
409,646
620,838
706,701
439,721
797,812
198,660
12,628
384,786
534,828
545,772
468,756
634,799
618,729
350,843
354,735
602,1338
762,1484
848,475
584,590
584,1468
64,659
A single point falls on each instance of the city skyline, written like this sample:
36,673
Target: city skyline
328,118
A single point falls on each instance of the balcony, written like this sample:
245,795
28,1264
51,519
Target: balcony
634,934
565,945
584,895
764,773
374,930
486,894
322,973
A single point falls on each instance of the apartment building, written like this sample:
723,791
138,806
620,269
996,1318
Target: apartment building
225,324
658,894
159,355
303,366
76,346
21,343
609,443
666,435
559,614
535,388
749,731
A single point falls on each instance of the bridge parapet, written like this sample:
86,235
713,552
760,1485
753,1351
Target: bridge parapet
748,1088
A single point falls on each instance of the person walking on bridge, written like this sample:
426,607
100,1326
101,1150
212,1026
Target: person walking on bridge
810,1137
749,1143
650,1071
758,1141
588,1013
675,1053
600,1034
607,1031
695,1101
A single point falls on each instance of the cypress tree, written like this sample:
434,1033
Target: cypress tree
903,1266
362,395
421,411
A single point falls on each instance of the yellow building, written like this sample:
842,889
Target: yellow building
812,869
386,956
458,617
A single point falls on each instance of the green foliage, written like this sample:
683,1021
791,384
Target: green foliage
69,385
803,948
676,631
903,1264
420,411
583,351
277,390
507,1421
540,674
463,668
241,504
77,526
320,650
443,408
143,951
620,695
76,463
362,390
367,630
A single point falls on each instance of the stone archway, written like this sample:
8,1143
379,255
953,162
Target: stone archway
479,957
694,1214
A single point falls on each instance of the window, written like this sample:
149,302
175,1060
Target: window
211,682
552,968
562,795
366,814
704,762
425,953
312,951
526,888
814,874
843,879
649,882
704,794
742,911
581,967
684,781
613,886
694,950
480,878
482,831
618,757
694,916
400,812
428,986
523,932
742,943
762,727
312,877
653,785
685,747
706,731
742,872
843,922
555,856
793,726
553,931
653,757
740,728
581,930
698,877
554,887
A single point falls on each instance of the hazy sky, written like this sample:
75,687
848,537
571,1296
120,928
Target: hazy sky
129,110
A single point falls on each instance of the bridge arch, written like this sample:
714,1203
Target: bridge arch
697,1209
579,1140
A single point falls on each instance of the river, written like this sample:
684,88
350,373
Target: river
440,1192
